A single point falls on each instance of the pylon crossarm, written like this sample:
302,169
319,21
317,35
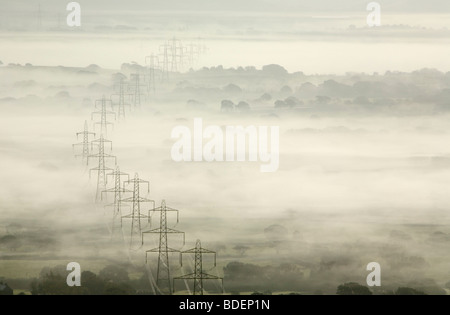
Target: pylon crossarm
135,216
188,276
100,169
134,199
156,250
207,276
113,190
174,231
157,230
199,250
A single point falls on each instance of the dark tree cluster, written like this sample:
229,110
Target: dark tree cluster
111,280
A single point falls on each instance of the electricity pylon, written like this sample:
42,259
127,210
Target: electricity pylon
121,99
85,151
163,250
136,214
202,49
193,54
198,275
176,55
116,204
165,62
103,112
153,64
136,89
101,168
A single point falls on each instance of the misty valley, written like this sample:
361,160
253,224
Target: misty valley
350,188
225,148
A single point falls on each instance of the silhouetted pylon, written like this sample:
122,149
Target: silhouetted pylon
136,89
153,64
103,112
136,216
163,250
198,275
119,99
101,168
165,62
176,55
116,205
85,144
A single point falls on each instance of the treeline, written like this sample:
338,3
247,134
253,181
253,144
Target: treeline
111,280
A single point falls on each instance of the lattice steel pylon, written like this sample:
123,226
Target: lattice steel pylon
198,275
153,64
193,54
136,89
165,62
121,99
103,112
116,205
176,55
136,216
85,151
163,250
101,168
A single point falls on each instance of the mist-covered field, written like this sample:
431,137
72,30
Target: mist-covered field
363,168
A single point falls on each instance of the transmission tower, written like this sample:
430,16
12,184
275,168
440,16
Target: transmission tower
193,54
116,204
121,99
85,144
176,55
103,112
153,64
163,250
101,168
165,62
198,275
202,49
136,214
136,89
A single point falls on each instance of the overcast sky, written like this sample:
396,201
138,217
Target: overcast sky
436,6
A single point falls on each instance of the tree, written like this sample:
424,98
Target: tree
353,288
286,90
5,289
274,70
227,106
408,291
11,242
232,89
113,273
265,97
92,283
292,101
280,104
243,106
119,289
